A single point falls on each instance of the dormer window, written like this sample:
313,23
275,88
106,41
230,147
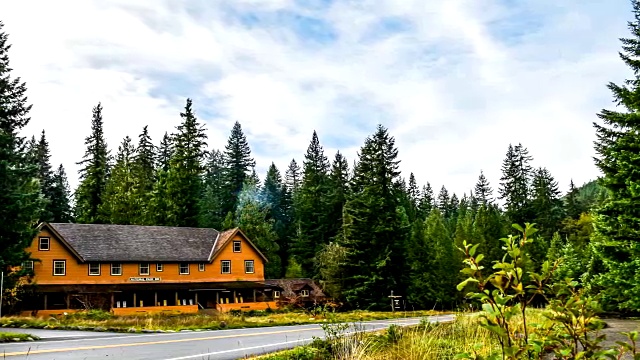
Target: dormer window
237,246
304,293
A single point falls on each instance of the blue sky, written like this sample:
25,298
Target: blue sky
455,81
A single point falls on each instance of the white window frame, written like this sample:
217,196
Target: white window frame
222,262
159,267
180,269
201,267
64,267
141,265
116,266
276,294
304,293
253,267
28,265
239,243
89,269
48,242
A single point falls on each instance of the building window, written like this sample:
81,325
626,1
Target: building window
116,269
43,244
276,294
28,265
184,269
304,293
201,267
248,267
225,266
144,269
59,267
159,267
237,246
94,269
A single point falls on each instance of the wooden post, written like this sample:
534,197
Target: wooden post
67,300
134,300
45,301
177,300
196,297
112,300
155,298
234,297
254,295
217,298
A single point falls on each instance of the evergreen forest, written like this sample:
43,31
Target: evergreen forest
361,230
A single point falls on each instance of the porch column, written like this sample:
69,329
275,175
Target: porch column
217,298
196,297
254,295
135,304
155,298
45,301
112,300
177,299
67,300
235,300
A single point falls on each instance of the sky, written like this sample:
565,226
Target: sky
454,81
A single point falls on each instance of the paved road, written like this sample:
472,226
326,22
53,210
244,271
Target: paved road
209,345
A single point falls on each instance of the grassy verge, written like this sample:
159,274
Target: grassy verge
15,337
103,321
424,342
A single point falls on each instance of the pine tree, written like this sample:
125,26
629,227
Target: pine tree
292,176
144,175
211,213
238,164
60,197
273,195
483,191
338,192
546,203
45,176
618,148
444,202
573,207
184,182
427,202
118,205
254,221
20,204
372,222
312,207
515,184
165,152
488,228
93,174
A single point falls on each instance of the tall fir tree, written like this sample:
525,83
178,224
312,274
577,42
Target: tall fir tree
60,197
184,177
94,173
427,202
573,207
273,194
211,213
515,184
45,176
118,202
444,202
483,190
159,207
338,193
374,262
292,176
617,222
546,203
238,165
312,208
144,175
20,201
254,221
165,152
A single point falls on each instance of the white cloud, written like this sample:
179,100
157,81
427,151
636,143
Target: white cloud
457,84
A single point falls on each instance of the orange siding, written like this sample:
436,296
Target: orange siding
78,273
248,306
184,309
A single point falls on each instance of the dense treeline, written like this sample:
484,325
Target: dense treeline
362,231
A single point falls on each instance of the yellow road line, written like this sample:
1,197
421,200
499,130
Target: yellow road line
44,351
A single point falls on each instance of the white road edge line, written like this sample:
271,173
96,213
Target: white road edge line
270,345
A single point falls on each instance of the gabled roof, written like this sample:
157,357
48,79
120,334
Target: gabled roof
296,285
226,236
129,243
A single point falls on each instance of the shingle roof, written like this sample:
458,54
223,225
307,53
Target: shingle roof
123,243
